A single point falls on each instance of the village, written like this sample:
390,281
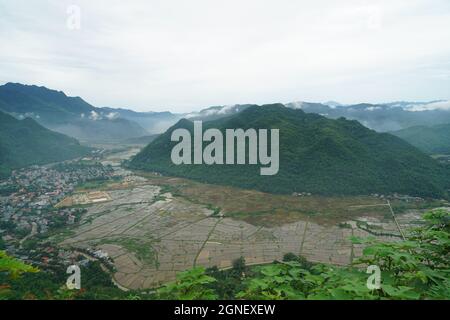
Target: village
28,208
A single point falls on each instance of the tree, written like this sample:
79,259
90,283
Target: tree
300,259
189,285
13,268
239,267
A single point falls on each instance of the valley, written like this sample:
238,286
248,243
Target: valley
121,208
155,226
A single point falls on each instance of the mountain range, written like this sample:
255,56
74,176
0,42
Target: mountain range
75,117
386,117
68,115
326,148
317,155
380,117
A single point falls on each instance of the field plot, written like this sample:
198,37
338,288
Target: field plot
151,233
84,199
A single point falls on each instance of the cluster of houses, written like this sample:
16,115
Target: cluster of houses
29,208
397,196
301,194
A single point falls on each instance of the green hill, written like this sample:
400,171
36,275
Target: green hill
25,142
318,155
433,140
51,105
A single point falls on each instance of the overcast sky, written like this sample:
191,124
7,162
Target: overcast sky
185,55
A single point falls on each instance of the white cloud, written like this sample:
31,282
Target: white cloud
297,104
373,108
441,105
185,55
94,116
112,115
226,109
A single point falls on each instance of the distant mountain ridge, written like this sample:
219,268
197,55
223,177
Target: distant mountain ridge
25,142
152,122
51,105
317,154
75,117
380,117
216,112
69,115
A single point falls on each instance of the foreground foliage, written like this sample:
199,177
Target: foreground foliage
21,281
190,285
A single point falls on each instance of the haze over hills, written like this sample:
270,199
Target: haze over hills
390,116
144,140
69,115
433,140
216,112
74,116
26,142
152,122
317,155
380,117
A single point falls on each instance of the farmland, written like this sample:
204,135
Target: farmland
154,226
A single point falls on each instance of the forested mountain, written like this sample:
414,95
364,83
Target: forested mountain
317,154
69,115
25,142
433,140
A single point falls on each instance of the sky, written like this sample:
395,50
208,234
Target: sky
182,56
